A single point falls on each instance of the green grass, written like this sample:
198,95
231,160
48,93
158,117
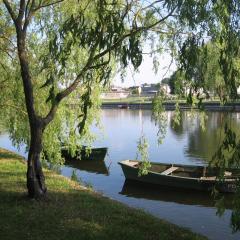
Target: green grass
129,100
71,212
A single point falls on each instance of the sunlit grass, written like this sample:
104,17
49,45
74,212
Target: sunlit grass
71,211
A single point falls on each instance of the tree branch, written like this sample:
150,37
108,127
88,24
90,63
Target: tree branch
29,14
62,95
21,11
152,4
33,9
101,64
48,5
10,10
91,60
26,9
71,88
135,31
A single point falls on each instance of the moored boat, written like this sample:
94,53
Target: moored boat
183,176
85,153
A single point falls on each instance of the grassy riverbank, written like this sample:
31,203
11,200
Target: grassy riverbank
71,212
139,100
129,100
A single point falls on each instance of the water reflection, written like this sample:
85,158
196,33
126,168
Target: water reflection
92,166
174,195
186,144
203,143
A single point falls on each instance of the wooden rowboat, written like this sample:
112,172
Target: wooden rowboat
84,153
183,176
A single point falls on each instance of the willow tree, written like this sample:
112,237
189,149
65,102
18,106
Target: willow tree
213,46
216,23
54,50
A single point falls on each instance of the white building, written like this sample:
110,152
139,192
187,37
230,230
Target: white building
115,93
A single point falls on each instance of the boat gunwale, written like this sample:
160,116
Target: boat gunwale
228,180
65,147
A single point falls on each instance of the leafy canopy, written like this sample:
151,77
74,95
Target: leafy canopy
73,53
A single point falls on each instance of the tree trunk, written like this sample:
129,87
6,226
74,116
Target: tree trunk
35,177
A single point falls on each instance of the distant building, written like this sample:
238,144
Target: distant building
149,89
115,93
116,89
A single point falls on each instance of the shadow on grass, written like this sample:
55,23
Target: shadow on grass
71,213
79,215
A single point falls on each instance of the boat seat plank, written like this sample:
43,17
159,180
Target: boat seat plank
169,170
213,178
227,174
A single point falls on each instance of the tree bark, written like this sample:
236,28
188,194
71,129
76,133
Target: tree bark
35,177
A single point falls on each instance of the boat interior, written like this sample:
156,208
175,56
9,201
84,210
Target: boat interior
192,172
201,172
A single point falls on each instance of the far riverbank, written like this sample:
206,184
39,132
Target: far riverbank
208,106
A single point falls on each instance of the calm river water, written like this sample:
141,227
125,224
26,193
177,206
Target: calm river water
188,143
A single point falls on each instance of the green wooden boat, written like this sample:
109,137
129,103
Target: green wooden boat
84,153
183,176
